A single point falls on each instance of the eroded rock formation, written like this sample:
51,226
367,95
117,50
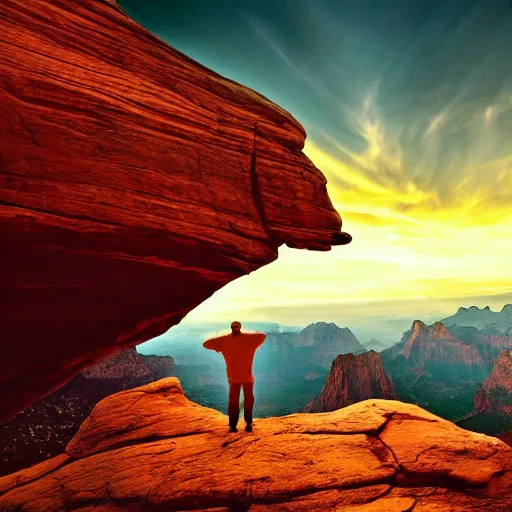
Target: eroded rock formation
353,379
150,448
44,428
435,344
134,183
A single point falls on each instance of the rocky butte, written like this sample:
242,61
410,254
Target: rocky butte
436,344
134,183
353,378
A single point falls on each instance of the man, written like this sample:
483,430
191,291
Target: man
238,349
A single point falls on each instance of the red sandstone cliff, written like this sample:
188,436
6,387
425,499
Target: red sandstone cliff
436,344
496,392
150,449
351,380
134,183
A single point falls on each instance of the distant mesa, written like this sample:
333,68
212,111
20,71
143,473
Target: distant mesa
322,333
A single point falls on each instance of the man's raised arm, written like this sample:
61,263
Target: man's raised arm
259,338
212,344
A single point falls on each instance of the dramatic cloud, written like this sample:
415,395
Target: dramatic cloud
408,110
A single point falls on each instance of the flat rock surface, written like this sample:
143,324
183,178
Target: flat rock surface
150,448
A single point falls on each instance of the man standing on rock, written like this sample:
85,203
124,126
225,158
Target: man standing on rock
238,349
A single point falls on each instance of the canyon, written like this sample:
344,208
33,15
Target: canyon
289,368
454,372
135,183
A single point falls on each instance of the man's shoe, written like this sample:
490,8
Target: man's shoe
248,428
233,429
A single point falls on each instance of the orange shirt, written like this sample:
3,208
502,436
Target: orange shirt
238,352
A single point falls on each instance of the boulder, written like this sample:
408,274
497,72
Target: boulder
150,448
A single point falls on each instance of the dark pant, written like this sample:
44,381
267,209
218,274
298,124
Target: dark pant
234,402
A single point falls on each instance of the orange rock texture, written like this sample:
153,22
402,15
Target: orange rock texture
134,183
150,448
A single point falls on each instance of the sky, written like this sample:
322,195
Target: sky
408,110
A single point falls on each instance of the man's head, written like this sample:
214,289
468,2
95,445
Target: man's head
235,328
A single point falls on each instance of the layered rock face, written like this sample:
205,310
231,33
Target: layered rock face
490,341
353,379
437,370
129,366
43,429
134,184
496,392
150,449
501,375
437,344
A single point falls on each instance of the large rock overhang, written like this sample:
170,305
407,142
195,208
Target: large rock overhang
134,184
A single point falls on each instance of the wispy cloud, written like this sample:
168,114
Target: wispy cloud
408,110
389,178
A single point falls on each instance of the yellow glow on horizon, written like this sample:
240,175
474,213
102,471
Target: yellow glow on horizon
413,239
